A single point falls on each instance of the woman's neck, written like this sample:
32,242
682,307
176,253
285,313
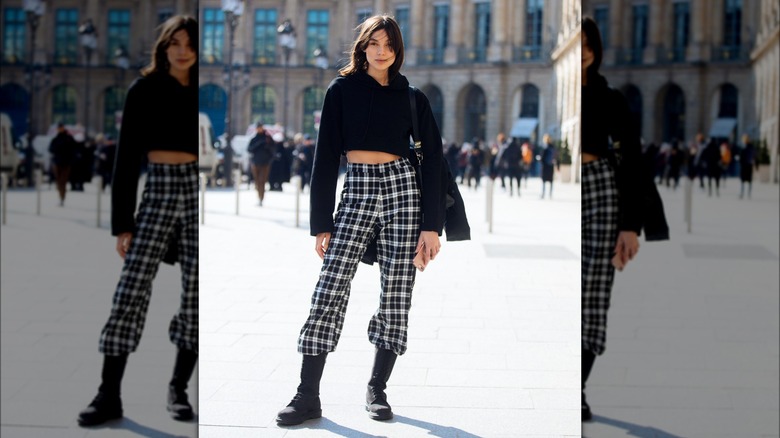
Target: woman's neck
380,76
182,76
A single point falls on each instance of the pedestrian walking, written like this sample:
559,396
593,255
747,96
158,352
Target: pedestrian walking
510,162
164,101
366,115
262,148
712,160
747,159
63,154
476,159
549,160
612,197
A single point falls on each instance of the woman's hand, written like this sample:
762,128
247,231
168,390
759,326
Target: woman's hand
123,243
321,245
428,247
626,248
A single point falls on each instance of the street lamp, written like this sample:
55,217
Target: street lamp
233,10
321,61
122,62
33,9
286,33
89,43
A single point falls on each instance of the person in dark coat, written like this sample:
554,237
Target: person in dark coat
711,157
452,158
747,159
280,168
475,160
106,153
63,153
549,160
675,163
262,148
304,160
511,162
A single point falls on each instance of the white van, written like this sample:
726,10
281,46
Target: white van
9,156
207,153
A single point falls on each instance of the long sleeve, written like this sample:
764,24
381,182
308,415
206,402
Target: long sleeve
327,156
128,161
431,167
629,174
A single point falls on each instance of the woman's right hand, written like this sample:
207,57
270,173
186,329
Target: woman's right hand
123,243
321,245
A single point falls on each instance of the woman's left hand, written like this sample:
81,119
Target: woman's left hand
626,248
428,246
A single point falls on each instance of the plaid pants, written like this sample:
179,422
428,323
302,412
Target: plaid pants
599,235
377,200
169,208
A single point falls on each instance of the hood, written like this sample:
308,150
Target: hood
399,82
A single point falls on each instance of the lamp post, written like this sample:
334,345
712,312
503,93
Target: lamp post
33,9
321,61
88,40
286,33
122,62
233,10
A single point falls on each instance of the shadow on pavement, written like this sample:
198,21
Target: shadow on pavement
631,428
433,428
325,424
145,431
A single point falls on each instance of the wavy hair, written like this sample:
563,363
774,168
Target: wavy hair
357,58
159,62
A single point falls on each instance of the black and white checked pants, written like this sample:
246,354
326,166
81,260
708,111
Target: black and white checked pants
169,207
599,236
377,200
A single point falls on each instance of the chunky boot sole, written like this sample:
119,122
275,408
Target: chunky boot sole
380,415
293,421
181,415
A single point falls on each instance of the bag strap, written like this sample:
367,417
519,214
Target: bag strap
417,147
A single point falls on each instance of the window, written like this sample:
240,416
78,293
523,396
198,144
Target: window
674,114
64,105
533,23
732,20
481,30
530,106
115,100
66,36
118,32
212,100
441,31
213,36
265,36
312,101
263,105
362,15
639,35
15,101
14,32
402,17
476,114
437,105
164,14
728,102
601,17
316,32
682,15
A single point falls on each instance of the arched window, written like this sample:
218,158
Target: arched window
263,105
212,100
64,105
634,98
113,104
312,103
436,100
530,104
728,102
476,114
674,114
15,101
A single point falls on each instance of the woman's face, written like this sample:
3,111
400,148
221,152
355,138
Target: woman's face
180,54
587,53
379,53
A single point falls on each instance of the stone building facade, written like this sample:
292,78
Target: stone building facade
766,68
484,64
61,84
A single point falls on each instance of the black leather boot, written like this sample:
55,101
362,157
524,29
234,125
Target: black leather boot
306,403
376,399
178,403
107,404
588,357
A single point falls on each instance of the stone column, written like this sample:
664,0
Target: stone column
457,30
498,49
657,24
418,23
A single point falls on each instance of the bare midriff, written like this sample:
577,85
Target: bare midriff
587,158
370,157
171,157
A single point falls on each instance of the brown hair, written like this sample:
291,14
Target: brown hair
159,62
357,58
591,31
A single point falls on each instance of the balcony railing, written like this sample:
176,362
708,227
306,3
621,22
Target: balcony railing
470,55
430,56
632,56
527,54
730,53
669,55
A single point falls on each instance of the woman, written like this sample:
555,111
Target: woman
611,197
366,115
159,123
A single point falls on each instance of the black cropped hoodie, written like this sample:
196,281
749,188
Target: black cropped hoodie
360,114
160,114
